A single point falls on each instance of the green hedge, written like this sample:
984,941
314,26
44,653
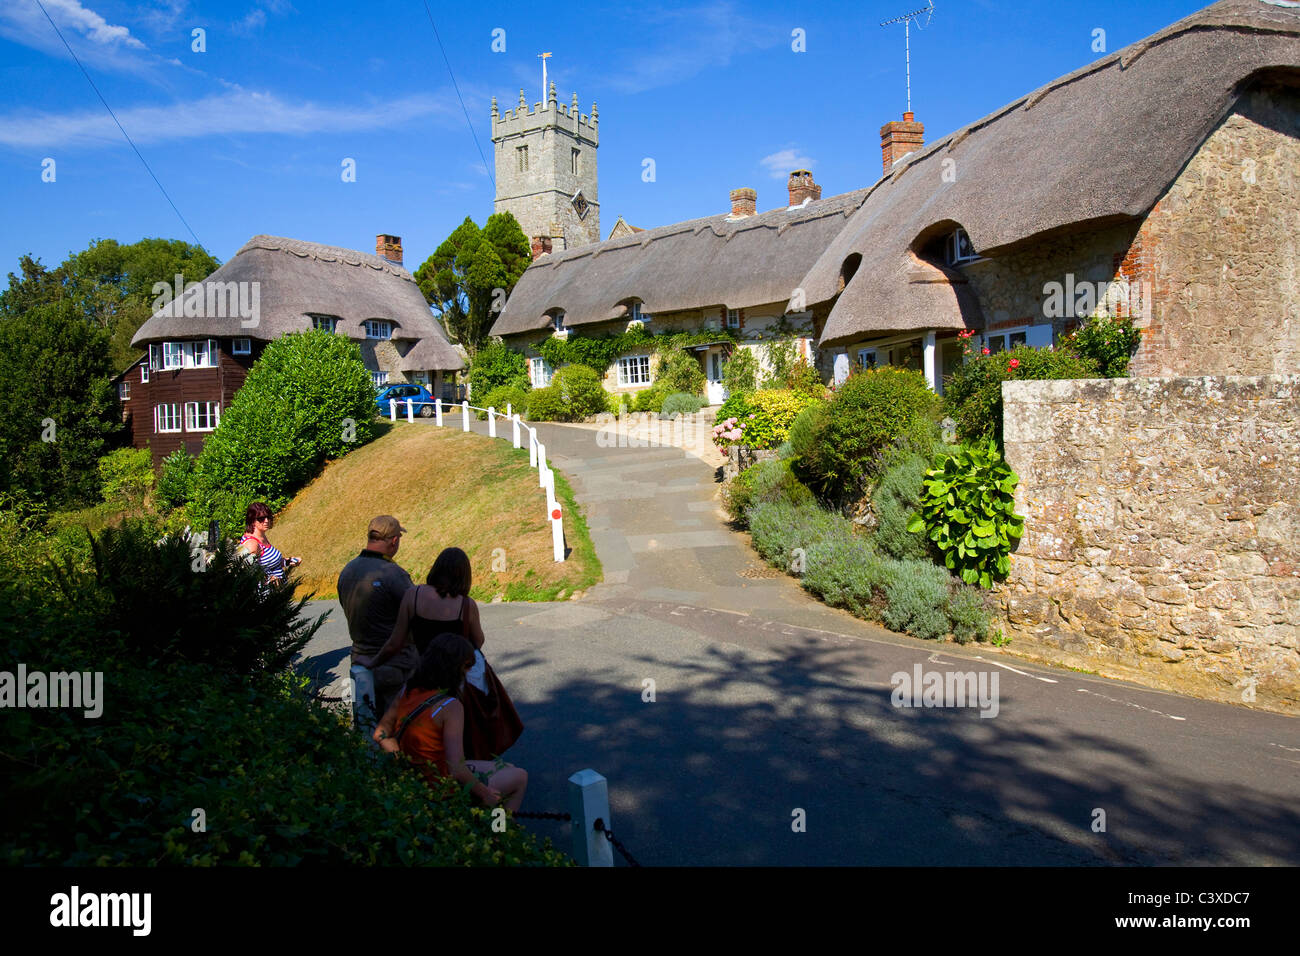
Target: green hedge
494,366
574,394
680,403
499,398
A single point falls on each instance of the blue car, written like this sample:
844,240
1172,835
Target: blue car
404,393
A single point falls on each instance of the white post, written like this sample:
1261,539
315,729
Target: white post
541,465
392,409
931,375
514,424
532,448
492,422
510,410
589,802
464,416
437,411
410,411
557,532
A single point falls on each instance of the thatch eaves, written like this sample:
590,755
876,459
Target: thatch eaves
1100,145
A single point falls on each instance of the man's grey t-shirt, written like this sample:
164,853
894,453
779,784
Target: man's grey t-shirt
370,590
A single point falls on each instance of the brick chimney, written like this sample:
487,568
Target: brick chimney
802,187
898,139
744,202
541,245
389,247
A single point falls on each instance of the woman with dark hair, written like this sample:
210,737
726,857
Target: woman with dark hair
443,606
257,522
427,724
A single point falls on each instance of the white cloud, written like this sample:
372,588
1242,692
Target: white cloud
779,164
237,112
23,21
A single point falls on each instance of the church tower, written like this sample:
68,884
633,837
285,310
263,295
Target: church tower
546,171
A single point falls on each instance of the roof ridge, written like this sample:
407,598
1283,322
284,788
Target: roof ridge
325,253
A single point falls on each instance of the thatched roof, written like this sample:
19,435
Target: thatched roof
716,261
1100,145
297,279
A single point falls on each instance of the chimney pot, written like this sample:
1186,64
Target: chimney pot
389,247
744,202
802,187
898,139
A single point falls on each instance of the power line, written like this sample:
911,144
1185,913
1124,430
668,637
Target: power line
456,86
119,125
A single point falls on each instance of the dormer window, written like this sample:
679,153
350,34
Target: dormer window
379,329
958,249
733,318
636,315
557,322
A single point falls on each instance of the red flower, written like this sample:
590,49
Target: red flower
984,351
1014,363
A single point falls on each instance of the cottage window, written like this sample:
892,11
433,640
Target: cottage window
379,329
958,249
1036,336
167,418
326,323
634,370
123,391
379,378
241,347
871,358
202,416
557,322
144,371
201,354
733,318
173,355
541,371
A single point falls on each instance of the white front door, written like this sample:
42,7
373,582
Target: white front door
714,390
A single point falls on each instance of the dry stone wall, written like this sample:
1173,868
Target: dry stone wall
1162,529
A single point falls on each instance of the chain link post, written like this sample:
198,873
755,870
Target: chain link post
589,802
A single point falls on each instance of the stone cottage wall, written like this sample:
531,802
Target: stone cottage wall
1162,533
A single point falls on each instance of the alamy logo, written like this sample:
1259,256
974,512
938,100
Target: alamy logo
946,689
211,300
102,909
59,689
1081,298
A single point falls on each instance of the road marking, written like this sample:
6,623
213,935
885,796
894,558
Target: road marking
1128,703
1294,750
1045,680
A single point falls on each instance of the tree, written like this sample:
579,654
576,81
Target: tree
497,365
307,399
59,406
469,276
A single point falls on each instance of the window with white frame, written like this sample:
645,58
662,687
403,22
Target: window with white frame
379,329
201,353
634,370
636,314
202,416
144,372
1035,336
123,391
541,371
958,248
241,347
167,418
173,355
557,322
379,378
733,318
871,358
326,323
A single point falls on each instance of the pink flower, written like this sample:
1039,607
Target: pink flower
1014,363
984,351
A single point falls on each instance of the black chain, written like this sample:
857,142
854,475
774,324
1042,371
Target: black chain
542,815
600,827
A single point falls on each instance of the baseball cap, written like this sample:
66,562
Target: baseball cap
384,526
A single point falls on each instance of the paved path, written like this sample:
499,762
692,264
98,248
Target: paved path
767,703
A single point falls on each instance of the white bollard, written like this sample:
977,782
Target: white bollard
557,532
541,465
492,422
514,424
410,411
392,409
548,482
437,411
464,416
510,410
532,448
589,802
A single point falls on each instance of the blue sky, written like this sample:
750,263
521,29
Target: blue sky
249,136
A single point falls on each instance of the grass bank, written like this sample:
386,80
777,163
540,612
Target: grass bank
448,488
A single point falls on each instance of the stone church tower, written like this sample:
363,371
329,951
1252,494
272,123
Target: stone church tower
546,171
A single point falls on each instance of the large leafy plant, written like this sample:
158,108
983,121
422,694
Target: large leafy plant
968,513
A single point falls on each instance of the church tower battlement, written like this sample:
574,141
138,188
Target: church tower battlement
546,170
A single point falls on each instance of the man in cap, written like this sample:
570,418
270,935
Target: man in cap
370,589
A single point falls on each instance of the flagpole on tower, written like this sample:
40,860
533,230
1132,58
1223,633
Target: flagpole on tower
544,57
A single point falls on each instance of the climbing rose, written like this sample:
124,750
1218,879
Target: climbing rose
1014,363
984,351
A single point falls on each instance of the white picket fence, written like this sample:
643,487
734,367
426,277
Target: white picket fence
536,452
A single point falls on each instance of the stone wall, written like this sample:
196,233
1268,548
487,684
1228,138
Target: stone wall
1162,538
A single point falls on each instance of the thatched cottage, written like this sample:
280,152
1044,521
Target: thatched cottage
202,341
1159,181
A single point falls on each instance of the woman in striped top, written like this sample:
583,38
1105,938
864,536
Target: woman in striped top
257,522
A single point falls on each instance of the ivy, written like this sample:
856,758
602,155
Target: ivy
599,352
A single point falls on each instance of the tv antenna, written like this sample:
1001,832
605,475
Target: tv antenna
906,19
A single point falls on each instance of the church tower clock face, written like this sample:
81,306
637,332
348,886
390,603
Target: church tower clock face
580,205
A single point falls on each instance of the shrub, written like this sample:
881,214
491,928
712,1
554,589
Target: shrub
803,430
894,502
870,413
973,392
680,403
777,528
766,481
1107,342
125,476
771,413
175,481
967,615
307,399
574,394
680,372
736,406
618,403
803,378
916,599
501,397
740,372
496,365
968,514
844,571
650,399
